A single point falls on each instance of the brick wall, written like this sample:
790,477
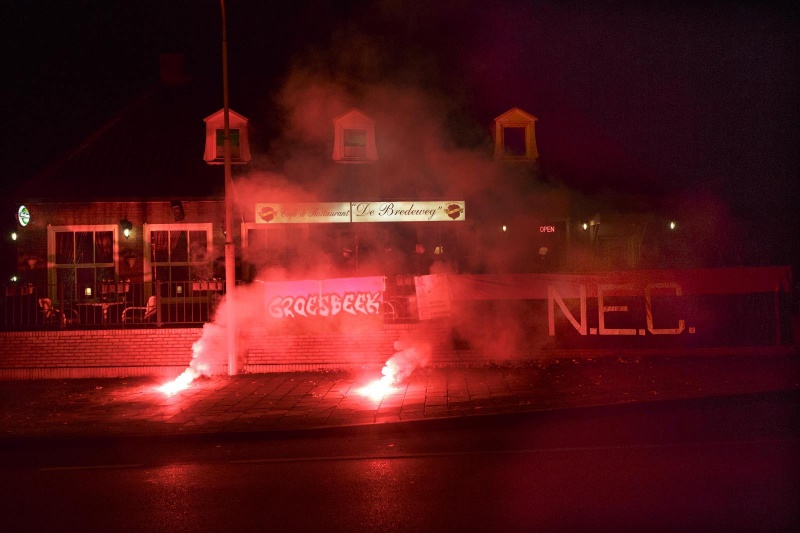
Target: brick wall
167,351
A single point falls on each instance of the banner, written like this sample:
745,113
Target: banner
325,299
303,213
346,212
628,309
433,296
408,211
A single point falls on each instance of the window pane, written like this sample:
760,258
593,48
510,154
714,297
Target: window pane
159,240
198,246
233,137
514,141
86,283
65,278
104,247
65,247
355,137
84,247
179,246
180,273
161,273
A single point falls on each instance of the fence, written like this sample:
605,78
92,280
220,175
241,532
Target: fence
126,304
110,305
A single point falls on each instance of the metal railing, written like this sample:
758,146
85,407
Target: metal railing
110,305
126,304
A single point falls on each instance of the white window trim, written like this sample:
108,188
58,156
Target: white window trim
148,249
52,270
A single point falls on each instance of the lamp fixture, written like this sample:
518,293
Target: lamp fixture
127,227
177,210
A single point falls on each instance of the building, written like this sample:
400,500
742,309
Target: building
373,191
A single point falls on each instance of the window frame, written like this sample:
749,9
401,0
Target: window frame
52,265
148,260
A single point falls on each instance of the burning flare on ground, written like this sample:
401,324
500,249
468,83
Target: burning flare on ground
377,389
180,383
397,369
210,343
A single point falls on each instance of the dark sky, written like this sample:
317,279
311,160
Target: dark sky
702,95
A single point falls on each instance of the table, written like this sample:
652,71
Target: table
103,305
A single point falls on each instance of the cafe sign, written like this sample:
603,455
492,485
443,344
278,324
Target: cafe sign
341,212
303,213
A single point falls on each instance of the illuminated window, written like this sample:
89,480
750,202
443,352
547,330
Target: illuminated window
83,257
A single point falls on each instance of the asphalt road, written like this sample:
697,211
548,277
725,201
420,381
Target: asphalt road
722,464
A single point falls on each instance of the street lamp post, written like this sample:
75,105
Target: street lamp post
230,251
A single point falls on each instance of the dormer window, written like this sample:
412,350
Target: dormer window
515,136
237,138
354,138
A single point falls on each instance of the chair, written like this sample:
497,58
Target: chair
140,314
50,314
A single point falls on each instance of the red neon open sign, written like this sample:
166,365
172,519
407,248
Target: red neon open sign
547,229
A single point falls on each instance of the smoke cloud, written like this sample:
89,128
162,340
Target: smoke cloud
427,149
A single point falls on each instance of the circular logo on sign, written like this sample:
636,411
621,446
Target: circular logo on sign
23,215
267,213
454,211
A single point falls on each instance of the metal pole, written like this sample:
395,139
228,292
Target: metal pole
230,252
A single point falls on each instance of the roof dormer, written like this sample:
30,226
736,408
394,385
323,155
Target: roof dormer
515,136
215,138
354,138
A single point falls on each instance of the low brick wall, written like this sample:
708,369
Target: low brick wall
167,351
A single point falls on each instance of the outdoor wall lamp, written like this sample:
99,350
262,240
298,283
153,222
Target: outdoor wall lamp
127,227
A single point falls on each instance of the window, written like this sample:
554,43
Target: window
83,257
514,141
178,253
515,136
355,143
233,139
214,153
354,138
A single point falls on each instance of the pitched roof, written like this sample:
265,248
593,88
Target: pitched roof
152,149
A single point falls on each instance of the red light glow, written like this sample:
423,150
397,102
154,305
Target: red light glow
379,388
178,384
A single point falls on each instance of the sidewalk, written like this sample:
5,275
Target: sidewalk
267,402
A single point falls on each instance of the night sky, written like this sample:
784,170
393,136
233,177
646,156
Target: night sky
698,99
